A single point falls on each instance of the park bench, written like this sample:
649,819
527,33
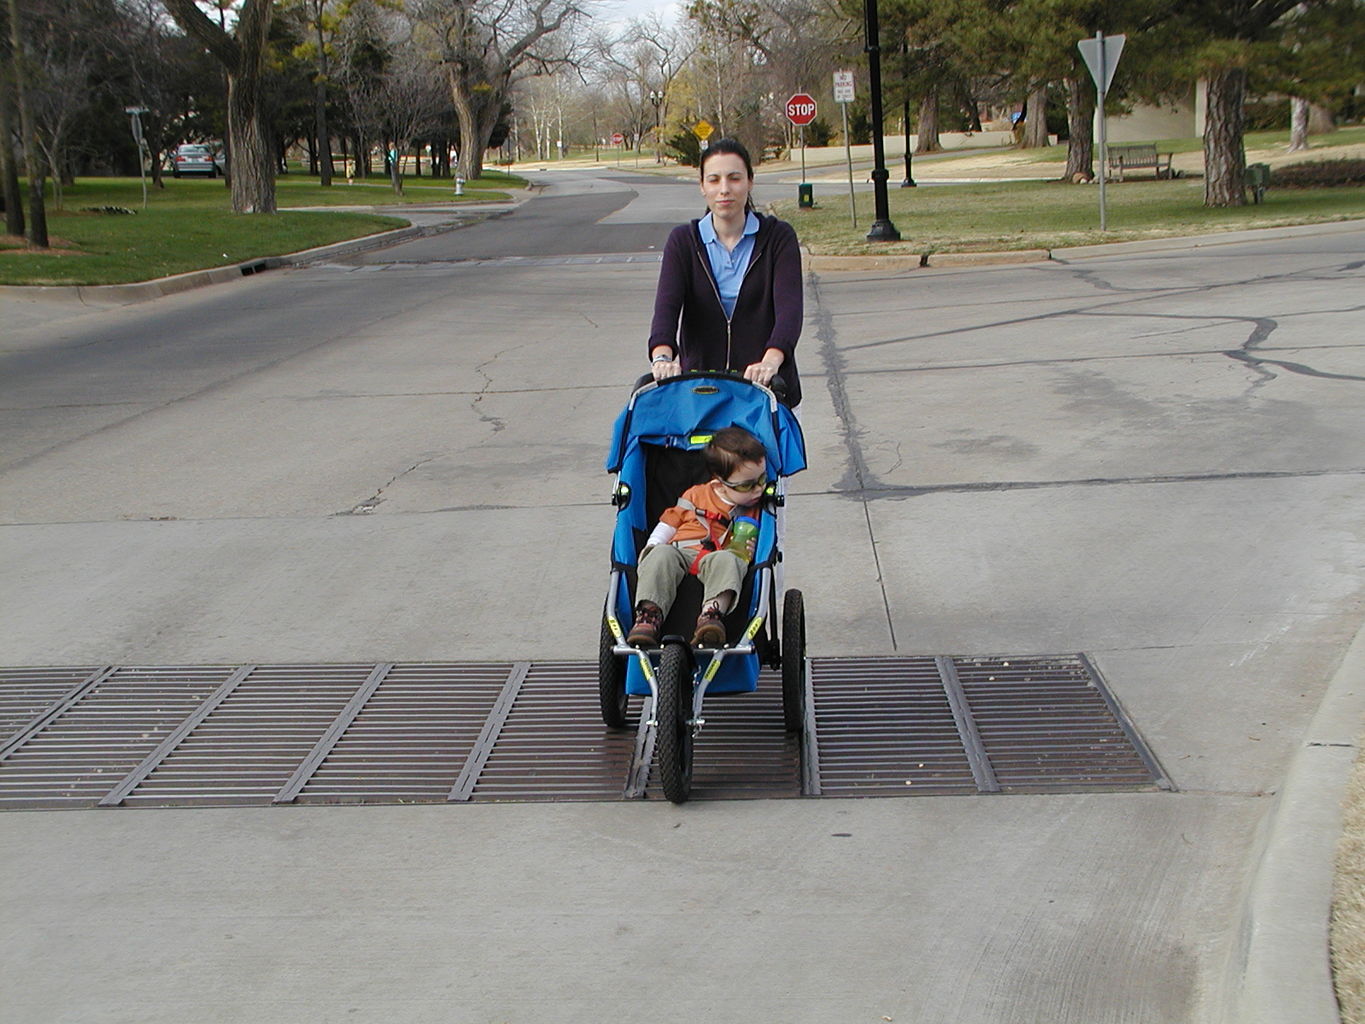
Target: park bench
1126,158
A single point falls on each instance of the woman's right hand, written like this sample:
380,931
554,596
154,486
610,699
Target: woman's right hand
665,368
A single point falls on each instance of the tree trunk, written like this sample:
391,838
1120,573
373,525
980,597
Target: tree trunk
1080,123
476,115
324,147
253,157
928,124
33,164
1320,120
1035,119
9,165
1298,124
1224,152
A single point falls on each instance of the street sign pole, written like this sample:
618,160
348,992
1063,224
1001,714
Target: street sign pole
843,95
800,111
143,154
1102,57
848,158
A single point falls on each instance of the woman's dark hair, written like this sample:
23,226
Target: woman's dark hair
735,148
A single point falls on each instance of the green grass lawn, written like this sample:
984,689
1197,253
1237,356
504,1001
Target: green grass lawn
189,225
1011,215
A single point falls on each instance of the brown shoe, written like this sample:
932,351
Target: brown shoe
649,619
710,629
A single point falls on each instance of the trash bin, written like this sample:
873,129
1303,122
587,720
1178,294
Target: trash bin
805,195
1258,180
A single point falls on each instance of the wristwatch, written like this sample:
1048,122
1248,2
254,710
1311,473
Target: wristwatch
663,359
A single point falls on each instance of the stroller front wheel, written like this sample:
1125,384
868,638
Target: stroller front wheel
793,661
611,681
674,741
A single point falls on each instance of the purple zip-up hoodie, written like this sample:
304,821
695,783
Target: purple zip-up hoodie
689,317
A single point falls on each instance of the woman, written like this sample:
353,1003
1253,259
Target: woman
729,295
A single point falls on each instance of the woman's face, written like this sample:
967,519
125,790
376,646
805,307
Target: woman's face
725,184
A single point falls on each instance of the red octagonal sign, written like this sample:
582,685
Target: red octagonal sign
800,109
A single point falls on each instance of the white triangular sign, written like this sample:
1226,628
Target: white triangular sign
1102,57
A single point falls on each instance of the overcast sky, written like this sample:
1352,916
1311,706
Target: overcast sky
625,10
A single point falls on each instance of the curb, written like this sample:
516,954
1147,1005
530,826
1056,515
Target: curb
1279,971
915,261
141,291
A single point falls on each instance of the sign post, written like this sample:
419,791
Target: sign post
143,155
1102,57
843,95
801,112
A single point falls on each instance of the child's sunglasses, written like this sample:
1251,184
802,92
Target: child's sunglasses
749,485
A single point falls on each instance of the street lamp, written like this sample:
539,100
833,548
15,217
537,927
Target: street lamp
656,97
882,228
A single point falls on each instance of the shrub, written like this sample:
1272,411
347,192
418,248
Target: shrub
1319,174
685,148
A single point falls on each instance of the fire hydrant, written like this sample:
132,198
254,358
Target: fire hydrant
459,186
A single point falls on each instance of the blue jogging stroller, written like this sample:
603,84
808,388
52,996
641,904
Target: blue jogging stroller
656,455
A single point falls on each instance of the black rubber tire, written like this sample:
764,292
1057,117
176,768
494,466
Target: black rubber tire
611,681
794,661
673,744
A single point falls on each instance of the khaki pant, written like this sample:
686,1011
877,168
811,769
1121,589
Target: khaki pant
662,568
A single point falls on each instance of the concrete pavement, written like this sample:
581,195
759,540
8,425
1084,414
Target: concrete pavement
1065,485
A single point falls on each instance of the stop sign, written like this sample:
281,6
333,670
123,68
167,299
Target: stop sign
800,109
617,138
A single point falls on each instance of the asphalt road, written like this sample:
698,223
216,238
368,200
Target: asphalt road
1155,458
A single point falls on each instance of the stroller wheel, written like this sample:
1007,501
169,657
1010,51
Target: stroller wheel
793,661
674,741
611,681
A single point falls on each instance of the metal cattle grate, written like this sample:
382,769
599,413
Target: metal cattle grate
405,740
78,750
523,731
886,728
990,725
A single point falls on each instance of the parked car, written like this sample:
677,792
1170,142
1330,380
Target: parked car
196,159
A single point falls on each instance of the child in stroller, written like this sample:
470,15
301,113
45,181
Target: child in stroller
691,537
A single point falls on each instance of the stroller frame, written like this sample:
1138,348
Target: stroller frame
678,676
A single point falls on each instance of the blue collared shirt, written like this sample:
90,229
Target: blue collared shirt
728,265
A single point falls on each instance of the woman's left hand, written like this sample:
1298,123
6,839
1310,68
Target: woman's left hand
761,373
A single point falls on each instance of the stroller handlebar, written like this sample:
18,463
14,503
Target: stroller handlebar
777,386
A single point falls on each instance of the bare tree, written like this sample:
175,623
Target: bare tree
410,96
317,20
9,164
36,231
641,64
486,46
242,54
61,93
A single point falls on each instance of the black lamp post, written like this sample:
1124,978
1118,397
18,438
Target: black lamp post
882,228
909,181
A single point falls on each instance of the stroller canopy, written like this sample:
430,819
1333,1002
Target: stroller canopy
683,412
